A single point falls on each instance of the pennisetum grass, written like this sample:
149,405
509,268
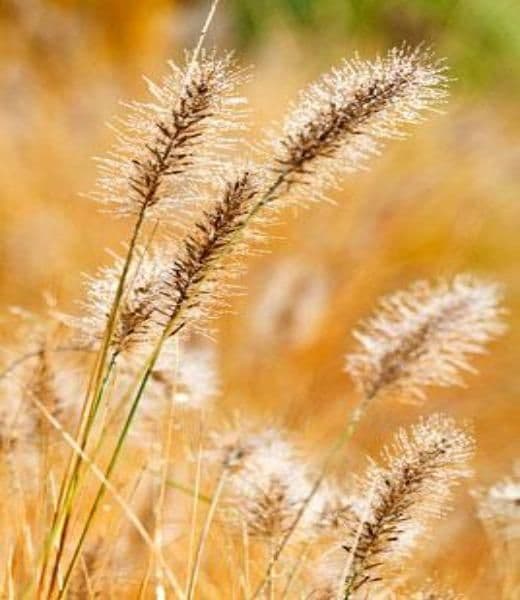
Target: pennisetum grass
171,165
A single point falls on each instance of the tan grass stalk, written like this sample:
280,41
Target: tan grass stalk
194,514
128,512
205,533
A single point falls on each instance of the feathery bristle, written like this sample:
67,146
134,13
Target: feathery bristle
412,486
191,118
423,336
433,591
341,120
499,506
196,284
266,483
333,510
136,323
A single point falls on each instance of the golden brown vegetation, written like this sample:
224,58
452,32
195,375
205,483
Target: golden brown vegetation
127,471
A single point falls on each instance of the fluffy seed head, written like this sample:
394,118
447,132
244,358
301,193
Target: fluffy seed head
197,284
499,506
169,142
267,481
410,487
342,119
136,322
423,336
333,511
433,591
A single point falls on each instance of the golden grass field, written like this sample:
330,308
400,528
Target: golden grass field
443,201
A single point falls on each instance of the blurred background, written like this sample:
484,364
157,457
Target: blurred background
443,201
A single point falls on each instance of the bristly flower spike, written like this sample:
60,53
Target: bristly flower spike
412,486
423,336
137,321
166,145
196,284
343,118
266,483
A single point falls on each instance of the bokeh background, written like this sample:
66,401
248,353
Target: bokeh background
443,201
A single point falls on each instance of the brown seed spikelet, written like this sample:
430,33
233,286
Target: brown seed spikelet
136,322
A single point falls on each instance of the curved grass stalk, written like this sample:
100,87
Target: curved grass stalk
194,513
111,465
128,512
296,569
61,527
93,397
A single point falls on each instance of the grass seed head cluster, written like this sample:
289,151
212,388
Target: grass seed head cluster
105,424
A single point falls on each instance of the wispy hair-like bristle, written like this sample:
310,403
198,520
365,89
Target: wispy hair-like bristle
169,143
343,118
499,507
412,486
424,335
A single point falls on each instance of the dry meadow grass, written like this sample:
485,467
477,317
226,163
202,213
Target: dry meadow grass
185,513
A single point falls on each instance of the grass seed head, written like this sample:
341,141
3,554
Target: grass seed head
423,336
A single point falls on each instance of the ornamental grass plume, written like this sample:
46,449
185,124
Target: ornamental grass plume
397,500
374,100
420,337
167,144
334,509
267,479
170,164
412,486
423,336
195,285
269,489
342,119
136,324
499,508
